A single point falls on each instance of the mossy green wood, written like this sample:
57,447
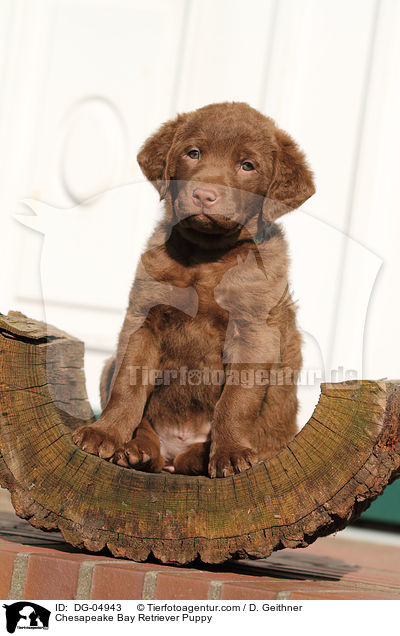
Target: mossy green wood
327,475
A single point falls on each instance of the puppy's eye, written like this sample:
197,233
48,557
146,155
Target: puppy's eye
247,166
194,153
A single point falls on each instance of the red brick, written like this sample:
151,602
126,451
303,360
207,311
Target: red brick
21,547
6,568
181,586
367,595
113,582
270,588
9,546
244,591
51,577
53,573
358,552
373,564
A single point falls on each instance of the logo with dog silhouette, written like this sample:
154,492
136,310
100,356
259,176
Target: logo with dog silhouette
26,615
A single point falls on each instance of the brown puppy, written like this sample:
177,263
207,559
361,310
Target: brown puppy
204,379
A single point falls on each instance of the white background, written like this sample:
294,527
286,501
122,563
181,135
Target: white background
84,82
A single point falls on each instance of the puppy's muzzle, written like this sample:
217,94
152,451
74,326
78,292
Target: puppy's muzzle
203,198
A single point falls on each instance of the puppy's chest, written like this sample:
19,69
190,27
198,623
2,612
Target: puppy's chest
191,291
190,322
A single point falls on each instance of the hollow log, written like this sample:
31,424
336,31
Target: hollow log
324,478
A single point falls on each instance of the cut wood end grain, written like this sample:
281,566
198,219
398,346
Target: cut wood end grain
324,478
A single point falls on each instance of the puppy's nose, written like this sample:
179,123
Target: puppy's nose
204,198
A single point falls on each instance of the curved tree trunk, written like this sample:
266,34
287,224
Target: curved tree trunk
326,476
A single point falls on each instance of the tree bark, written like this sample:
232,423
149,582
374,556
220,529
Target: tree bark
325,477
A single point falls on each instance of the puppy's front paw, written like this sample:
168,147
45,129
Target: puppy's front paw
97,440
227,462
139,454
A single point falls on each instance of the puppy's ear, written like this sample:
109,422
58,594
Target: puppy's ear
153,157
292,180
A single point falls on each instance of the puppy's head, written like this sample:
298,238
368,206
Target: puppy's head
223,165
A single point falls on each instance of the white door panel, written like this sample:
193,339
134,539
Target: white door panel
315,90
26,27
85,82
225,54
109,81
375,216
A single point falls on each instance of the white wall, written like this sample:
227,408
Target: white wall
84,83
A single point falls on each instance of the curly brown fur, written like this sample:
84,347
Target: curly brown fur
204,378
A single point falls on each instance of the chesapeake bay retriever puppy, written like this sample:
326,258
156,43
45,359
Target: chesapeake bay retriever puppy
204,379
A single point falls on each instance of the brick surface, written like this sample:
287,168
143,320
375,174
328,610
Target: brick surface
364,571
6,569
246,591
271,589
112,582
355,595
22,547
51,577
373,564
182,586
